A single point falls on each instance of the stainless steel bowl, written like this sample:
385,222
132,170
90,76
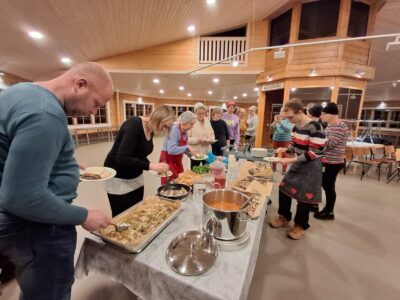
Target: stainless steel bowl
224,225
192,253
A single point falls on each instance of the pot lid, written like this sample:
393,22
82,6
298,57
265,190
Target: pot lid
192,253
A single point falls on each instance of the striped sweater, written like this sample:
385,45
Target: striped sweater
308,142
336,135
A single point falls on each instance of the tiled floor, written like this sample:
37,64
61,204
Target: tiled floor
354,257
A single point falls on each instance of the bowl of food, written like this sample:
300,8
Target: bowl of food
199,156
174,191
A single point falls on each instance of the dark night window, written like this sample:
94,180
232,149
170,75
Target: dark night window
319,19
358,22
280,29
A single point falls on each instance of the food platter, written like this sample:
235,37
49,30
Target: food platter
146,220
273,159
199,157
96,174
188,177
155,173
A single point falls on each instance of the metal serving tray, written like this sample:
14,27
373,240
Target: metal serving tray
140,247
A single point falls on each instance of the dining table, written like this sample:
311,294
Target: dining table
148,275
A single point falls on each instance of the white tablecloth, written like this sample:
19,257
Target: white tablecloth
148,276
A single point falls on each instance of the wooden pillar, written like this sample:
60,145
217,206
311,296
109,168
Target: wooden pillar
261,119
344,17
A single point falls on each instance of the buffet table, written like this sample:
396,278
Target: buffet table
148,276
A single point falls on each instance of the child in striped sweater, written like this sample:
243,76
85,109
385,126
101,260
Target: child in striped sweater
304,179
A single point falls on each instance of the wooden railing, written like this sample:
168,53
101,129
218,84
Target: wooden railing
214,49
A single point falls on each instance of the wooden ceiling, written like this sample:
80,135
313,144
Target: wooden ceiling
94,29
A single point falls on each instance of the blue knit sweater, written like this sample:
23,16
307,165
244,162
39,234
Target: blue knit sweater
38,172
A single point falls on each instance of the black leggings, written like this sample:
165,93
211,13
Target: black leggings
120,203
328,183
302,212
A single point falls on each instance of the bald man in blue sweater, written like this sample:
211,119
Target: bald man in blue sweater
39,177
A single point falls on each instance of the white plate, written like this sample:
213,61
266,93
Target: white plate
110,174
155,173
273,159
204,157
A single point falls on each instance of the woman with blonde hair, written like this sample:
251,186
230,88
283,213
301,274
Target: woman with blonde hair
128,157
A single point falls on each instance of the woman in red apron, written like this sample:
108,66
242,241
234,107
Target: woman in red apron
176,145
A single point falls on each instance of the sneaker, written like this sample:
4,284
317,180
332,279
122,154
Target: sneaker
296,232
324,215
279,222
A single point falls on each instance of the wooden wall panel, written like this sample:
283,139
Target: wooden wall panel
183,55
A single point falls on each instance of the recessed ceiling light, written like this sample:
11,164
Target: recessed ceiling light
332,88
256,89
1,73
210,2
181,88
191,28
235,97
210,92
189,94
235,63
66,60
215,80
244,95
394,84
156,80
269,78
35,35
140,100
293,89
161,91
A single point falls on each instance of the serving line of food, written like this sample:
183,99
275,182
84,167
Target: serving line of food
212,234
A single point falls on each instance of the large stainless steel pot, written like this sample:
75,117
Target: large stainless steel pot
224,225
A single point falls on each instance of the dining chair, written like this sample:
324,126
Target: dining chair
396,172
360,155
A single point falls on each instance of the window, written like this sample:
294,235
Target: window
179,109
137,109
101,116
82,120
319,19
394,120
350,100
70,120
358,22
148,109
280,29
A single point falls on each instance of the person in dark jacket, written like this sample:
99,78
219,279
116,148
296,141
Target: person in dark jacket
221,132
128,157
